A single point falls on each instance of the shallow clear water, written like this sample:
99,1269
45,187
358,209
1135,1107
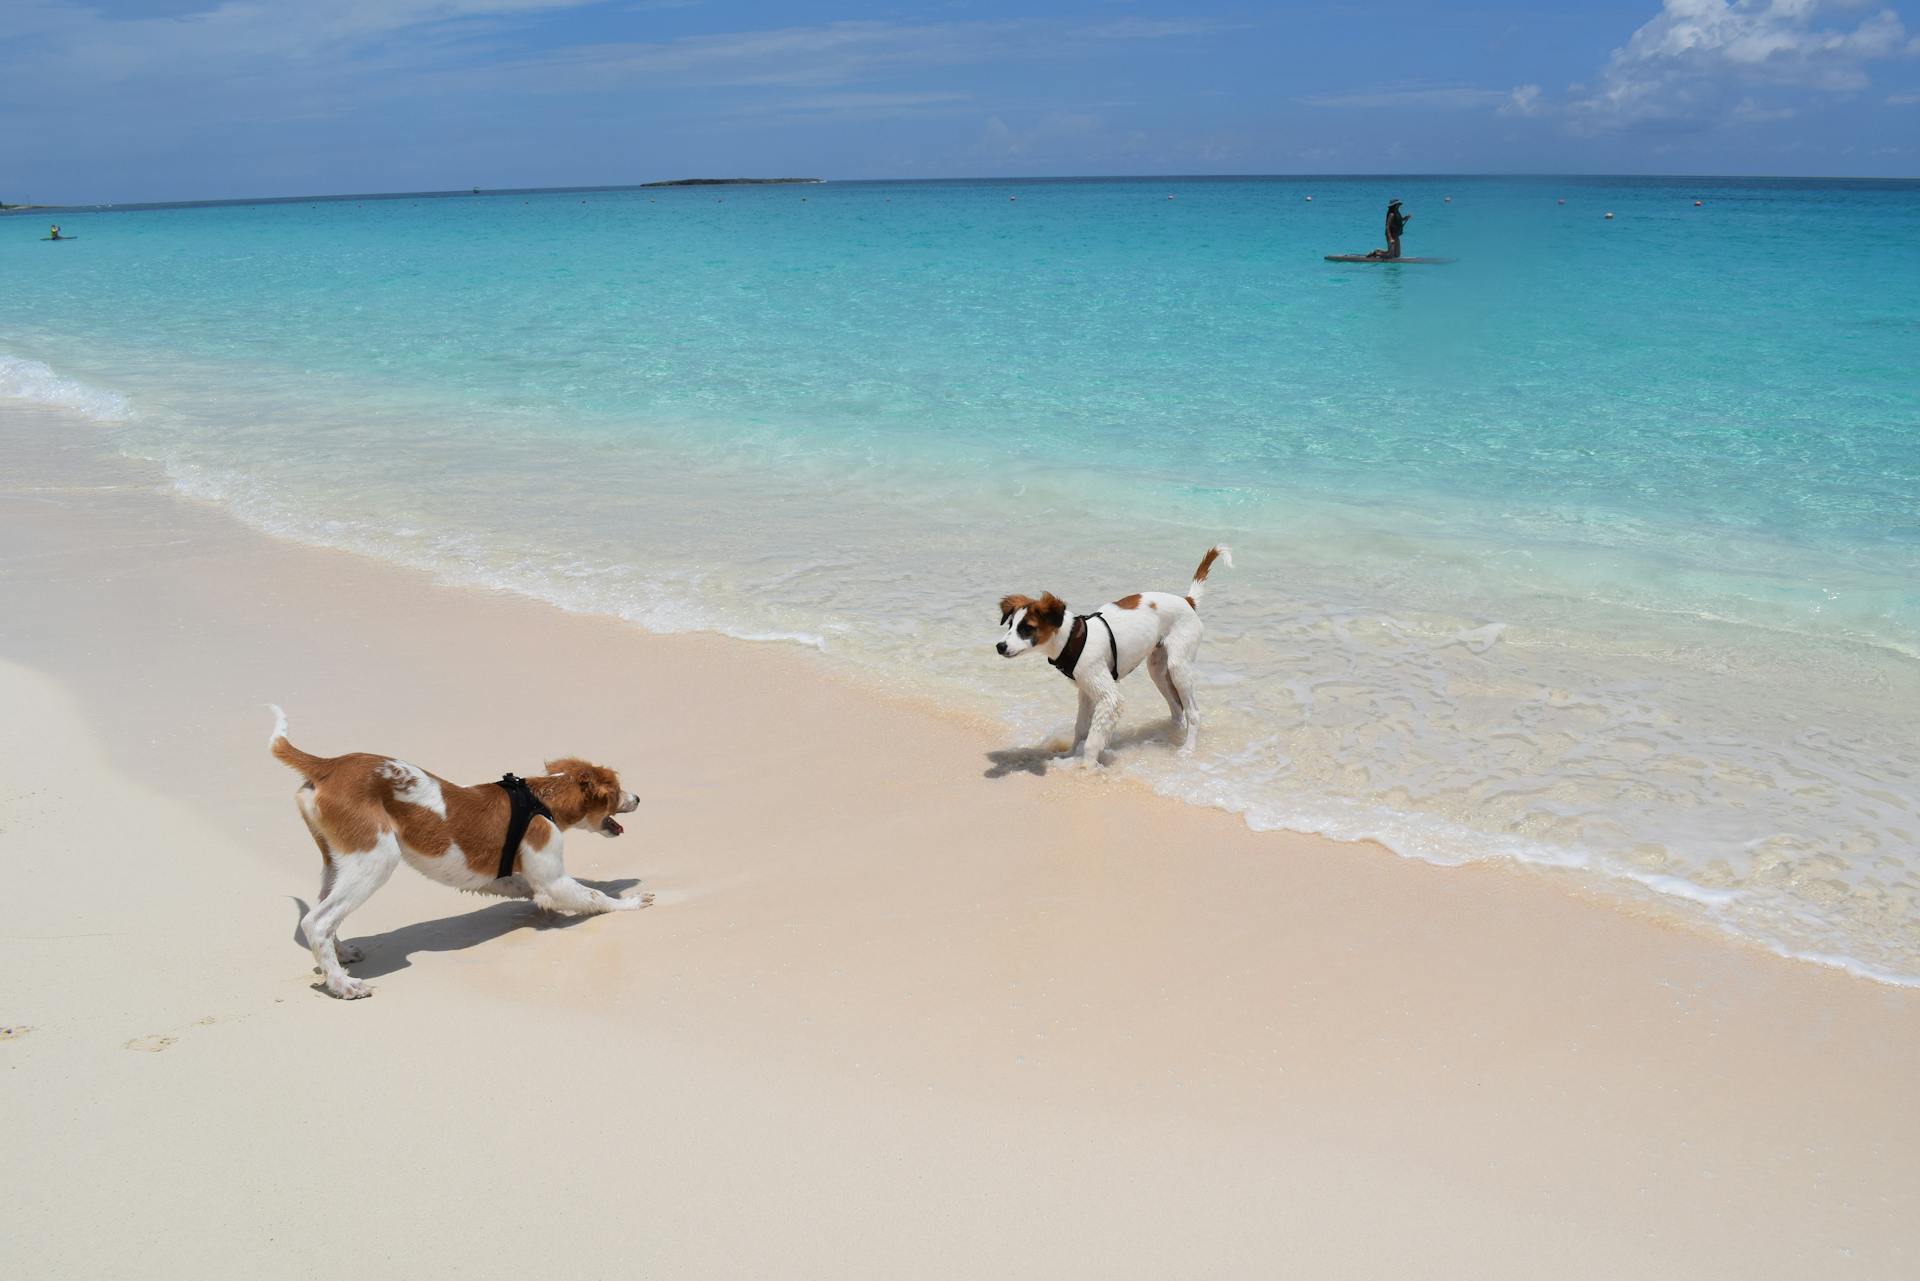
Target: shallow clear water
1598,548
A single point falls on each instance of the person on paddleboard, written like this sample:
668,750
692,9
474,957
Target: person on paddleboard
53,232
1396,223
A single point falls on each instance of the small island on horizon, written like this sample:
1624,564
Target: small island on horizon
726,182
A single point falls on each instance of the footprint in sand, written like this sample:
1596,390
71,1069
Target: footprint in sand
14,1032
158,1042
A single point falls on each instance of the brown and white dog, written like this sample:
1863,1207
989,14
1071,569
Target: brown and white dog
368,813
1095,650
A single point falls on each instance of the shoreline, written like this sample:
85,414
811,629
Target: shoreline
1635,887
887,968
1673,900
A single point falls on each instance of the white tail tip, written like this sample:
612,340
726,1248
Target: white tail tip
1226,554
279,724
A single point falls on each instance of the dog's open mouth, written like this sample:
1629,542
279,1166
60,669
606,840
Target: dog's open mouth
610,828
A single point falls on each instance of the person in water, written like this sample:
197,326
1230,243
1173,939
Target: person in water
1396,223
53,232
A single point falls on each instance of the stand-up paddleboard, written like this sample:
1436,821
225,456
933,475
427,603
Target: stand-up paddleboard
59,237
1435,262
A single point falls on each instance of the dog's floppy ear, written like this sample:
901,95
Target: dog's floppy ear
599,786
1049,610
1009,604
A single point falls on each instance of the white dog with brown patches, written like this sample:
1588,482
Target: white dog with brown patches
1095,650
369,813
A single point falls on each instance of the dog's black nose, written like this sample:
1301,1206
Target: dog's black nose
1001,649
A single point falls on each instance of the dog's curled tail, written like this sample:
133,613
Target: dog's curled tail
286,753
1220,552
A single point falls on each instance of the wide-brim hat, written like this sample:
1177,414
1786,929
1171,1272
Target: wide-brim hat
1392,203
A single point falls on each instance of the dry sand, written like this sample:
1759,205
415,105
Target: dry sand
900,1011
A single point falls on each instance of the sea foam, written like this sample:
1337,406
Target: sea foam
36,383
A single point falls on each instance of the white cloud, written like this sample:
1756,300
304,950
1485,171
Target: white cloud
251,46
1523,101
1701,63
1154,28
819,107
834,54
866,101
1748,112
311,59
999,140
1440,97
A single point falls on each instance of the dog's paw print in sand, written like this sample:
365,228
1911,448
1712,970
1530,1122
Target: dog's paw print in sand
160,1040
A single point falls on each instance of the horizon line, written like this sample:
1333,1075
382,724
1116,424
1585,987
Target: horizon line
655,185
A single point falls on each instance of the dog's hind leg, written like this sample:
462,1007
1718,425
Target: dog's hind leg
345,953
1181,676
1157,668
354,878
1181,644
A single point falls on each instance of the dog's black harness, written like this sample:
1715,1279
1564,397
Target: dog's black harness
1077,641
525,805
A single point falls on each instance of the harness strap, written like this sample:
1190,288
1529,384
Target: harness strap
1077,642
524,806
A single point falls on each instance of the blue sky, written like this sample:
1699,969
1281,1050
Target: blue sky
127,100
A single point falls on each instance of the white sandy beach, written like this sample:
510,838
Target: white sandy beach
908,1005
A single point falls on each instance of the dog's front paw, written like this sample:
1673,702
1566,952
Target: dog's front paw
351,990
636,897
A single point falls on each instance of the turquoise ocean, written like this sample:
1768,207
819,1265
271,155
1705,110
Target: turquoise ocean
1597,549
